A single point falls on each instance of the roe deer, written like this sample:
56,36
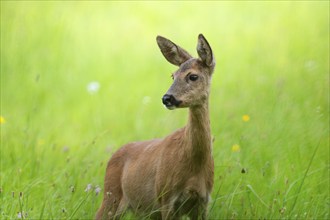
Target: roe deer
170,177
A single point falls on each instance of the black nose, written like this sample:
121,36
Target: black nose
168,100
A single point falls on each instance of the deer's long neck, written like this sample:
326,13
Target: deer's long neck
198,135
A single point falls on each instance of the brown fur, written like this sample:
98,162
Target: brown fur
170,177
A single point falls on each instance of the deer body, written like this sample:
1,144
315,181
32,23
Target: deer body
170,177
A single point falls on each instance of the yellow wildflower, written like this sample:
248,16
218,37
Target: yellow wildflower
246,118
235,148
2,120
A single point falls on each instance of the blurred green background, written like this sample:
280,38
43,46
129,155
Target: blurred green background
81,78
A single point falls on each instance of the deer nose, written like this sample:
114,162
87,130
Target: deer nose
168,100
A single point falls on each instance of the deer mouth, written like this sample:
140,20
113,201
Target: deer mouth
170,102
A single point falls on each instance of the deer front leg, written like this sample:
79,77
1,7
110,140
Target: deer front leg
112,207
192,204
169,215
168,211
113,204
198,213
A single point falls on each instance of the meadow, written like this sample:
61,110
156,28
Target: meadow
81,78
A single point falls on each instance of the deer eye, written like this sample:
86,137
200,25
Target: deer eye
193,77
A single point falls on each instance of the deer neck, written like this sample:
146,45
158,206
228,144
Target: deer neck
198,135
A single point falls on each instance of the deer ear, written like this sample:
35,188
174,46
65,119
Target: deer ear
204,51
172,52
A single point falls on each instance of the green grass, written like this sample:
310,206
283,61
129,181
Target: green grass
272,64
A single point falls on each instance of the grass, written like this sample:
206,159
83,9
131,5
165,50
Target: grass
56,137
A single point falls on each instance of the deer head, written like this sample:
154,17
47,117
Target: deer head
191,83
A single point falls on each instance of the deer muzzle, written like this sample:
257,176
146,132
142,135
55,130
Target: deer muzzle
170,101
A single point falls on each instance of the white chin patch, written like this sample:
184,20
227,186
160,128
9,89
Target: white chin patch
170,107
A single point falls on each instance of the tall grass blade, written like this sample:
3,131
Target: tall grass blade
42,210
305,175
216,197
21,207
254,192
78,206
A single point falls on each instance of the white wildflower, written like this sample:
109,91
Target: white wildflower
22,215
97,190
88,187
93,87
146,100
